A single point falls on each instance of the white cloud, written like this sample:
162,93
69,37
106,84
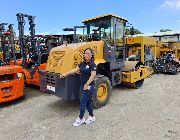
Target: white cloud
167,3
178,3
171,4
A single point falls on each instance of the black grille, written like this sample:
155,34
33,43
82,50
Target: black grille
50,79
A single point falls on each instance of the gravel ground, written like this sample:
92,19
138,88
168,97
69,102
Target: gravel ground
149,113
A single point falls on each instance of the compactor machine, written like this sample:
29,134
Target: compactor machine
105,36
142,48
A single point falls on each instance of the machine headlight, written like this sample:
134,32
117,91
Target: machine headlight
19,75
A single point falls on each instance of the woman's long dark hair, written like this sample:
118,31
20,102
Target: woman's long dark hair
92,53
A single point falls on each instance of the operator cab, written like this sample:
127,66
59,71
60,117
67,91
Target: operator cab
109,28
75,35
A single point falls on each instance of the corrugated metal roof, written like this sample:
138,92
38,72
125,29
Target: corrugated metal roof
175,32
104,15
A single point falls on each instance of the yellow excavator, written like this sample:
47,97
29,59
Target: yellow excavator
105,36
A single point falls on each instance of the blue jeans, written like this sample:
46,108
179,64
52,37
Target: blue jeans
86,102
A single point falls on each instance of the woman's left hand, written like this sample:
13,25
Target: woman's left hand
85,87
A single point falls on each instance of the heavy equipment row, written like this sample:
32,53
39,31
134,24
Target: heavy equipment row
105,36
41,59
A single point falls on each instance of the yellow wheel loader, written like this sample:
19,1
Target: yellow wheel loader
105,36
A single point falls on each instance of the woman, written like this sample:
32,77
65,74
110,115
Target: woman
87,69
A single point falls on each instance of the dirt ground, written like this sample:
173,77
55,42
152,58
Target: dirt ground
149,113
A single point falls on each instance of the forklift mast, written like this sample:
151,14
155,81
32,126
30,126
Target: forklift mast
23,40
32,38
7,43
21,23
10,30
2,29
1,56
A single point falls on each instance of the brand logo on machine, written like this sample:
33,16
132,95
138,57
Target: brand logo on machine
94,49
131,40
51,69
7,72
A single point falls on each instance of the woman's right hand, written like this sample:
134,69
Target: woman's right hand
78,72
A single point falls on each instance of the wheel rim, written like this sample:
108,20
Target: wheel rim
102,92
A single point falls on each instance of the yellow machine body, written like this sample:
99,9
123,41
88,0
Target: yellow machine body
134,71
137,45
64,58
173,47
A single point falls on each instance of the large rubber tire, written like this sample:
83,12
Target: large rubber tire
138,84
174,72
25,80
24,94
99,81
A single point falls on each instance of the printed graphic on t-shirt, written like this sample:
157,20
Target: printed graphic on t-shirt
87,66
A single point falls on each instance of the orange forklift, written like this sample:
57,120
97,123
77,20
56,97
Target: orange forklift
34,49
11,76
28,52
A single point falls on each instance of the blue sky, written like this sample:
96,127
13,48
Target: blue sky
54,15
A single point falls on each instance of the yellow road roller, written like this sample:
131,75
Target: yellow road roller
142,48
105,36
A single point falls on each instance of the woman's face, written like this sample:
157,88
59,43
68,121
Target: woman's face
87,55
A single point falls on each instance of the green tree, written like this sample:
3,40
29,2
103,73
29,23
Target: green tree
132,31
127,31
